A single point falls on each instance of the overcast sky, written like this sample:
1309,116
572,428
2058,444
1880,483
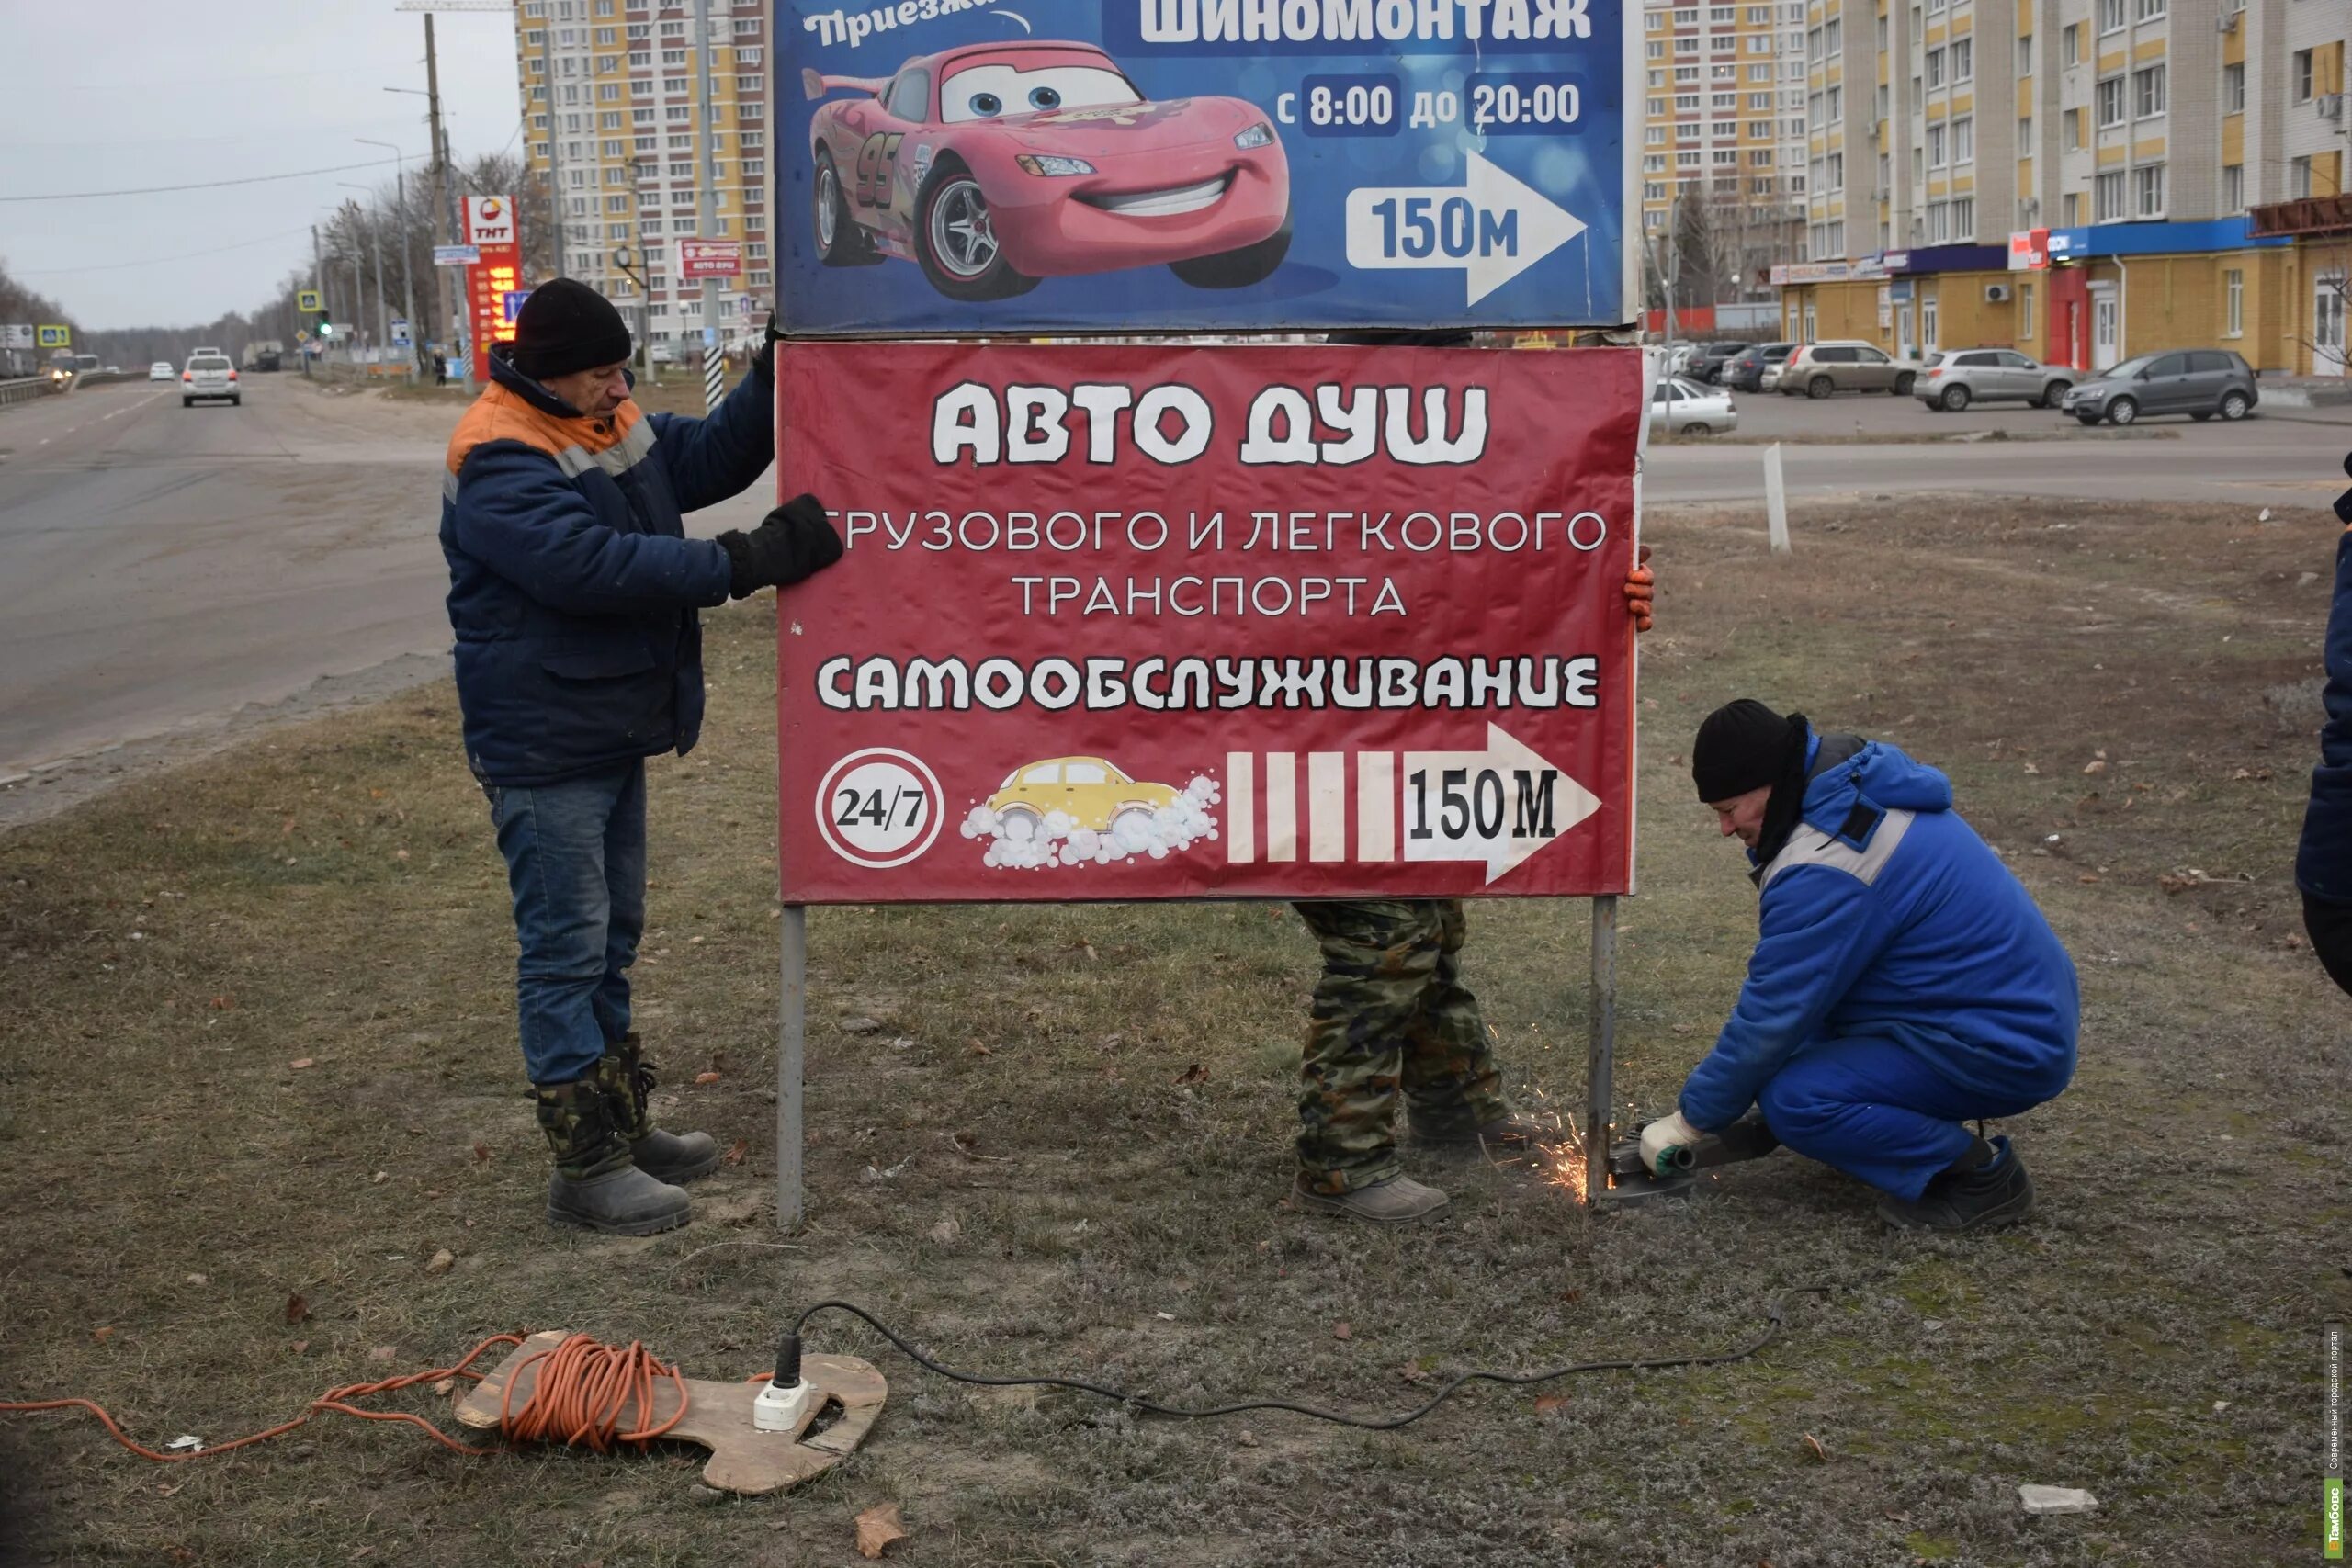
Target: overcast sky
107,94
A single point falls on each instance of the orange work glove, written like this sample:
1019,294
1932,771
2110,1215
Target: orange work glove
1640,585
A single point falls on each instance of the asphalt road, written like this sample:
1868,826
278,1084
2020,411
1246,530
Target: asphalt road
161,567
2290,457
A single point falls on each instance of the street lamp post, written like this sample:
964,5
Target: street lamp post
408,270
375,242
449,324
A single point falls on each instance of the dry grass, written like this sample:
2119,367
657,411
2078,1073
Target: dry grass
331,894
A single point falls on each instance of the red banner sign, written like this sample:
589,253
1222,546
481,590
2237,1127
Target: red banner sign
1238,622
487,283
709,259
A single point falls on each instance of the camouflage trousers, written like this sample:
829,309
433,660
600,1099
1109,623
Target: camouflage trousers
1390,1012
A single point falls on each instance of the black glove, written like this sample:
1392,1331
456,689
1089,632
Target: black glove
763,361
793,543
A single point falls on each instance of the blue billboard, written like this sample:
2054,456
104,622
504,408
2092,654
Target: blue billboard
1024,167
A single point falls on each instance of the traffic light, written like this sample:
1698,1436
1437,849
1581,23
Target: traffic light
326,327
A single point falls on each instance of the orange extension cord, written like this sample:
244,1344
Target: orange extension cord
581,1390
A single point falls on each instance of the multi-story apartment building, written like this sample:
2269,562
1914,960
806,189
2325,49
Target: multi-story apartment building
1724,126
617,130
2120,144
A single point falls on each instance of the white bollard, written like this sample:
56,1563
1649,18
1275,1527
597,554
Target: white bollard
1775,500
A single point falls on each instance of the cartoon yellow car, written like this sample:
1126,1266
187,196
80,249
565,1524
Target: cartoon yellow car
1089,791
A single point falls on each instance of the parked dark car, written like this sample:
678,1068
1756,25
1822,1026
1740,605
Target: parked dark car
2198,382
1707,364
1745,370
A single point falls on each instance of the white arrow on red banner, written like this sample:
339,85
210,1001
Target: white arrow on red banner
1499,805
1495,806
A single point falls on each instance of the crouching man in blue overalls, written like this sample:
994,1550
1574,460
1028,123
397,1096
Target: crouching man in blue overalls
1904,983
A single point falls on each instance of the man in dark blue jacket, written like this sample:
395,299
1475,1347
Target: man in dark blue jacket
2323,859
573,591
1904,983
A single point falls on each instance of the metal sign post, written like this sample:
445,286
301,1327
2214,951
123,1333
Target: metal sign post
1601,1048
792,1038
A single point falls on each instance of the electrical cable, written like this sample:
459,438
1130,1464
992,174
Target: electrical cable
334,1399
581,1390
1773,1326
202,185
159,261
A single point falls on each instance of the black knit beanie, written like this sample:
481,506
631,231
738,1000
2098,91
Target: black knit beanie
1741,746
566,326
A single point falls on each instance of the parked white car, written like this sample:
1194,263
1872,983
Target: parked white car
1679,406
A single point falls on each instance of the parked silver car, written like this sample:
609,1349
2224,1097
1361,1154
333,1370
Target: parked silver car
1818,369
1952,381
1679,406
2200,383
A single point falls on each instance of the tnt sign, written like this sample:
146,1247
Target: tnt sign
1239,622
490,221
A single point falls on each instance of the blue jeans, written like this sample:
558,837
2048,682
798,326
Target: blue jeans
1875,1111
575,859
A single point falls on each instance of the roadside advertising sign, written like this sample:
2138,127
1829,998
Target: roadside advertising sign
2029,250
698,259
54,335
1238,622
488,284
490,221
16,336
455,256
960,166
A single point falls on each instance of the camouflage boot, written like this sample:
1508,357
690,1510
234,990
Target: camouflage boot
595,1186
627,1081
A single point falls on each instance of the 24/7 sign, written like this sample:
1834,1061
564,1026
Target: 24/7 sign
1236,621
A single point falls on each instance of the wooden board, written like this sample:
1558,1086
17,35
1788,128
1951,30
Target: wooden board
719,1417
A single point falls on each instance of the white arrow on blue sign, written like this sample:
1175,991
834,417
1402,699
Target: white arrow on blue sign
1492,227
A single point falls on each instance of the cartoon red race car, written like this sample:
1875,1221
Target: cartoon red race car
994,165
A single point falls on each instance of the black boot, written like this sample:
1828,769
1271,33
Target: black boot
595,1184
627,1081
1998,1192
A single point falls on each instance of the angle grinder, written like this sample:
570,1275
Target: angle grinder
1631,1182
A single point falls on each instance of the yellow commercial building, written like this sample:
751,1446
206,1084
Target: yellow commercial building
2076,179
618,128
